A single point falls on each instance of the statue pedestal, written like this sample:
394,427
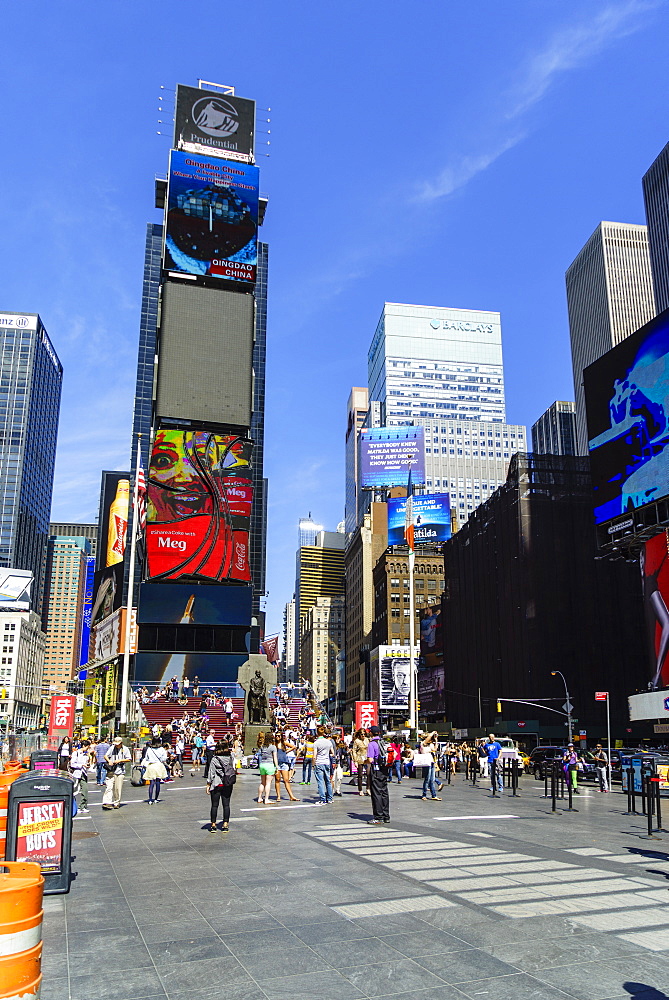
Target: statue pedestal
251,731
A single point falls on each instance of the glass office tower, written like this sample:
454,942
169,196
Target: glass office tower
30,386
148,332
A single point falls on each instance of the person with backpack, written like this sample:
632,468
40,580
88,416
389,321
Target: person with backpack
220,782
395,761
377,755
323,753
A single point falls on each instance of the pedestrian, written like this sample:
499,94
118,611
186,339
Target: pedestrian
179,750
196,687
174,684
428,748
79,762
407,762
220,782
483,759
153,759
116,758
323,752
492,750
378,778
359,756
64,753
570,767
186,686
602,765
341,751
101,749
197,752
307,759
229,709
209,747
395,761
283,770
267,758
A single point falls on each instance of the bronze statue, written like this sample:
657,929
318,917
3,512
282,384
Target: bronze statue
257,699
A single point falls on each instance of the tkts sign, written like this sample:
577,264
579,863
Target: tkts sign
366,714
61,719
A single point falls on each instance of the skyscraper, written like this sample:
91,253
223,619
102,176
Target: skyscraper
89,531
609,296
31,377
148,332
321,641
441,369
319,573
357,410
289,657
554,433
656,197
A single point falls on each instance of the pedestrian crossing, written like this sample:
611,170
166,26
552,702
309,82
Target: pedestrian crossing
629,904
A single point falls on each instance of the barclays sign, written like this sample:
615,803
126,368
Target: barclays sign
461,327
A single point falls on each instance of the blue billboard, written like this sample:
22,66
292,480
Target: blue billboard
431,519
627,405
212,217
87,610
388,454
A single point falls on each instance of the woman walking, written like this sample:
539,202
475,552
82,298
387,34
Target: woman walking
64,754
283,769
307,760
220,782
267,759
430,746
155,771
359,755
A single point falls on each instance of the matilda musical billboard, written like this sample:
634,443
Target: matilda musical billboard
199,507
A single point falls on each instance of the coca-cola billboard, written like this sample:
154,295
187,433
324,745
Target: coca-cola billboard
61,719
366,714
200,497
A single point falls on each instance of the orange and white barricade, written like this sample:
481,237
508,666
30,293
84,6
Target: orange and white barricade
21,913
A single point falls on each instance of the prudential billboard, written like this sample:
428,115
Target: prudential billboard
431,519
388,454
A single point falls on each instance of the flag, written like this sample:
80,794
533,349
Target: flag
141,499
408,521
270,647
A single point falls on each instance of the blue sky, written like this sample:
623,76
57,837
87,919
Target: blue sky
448,152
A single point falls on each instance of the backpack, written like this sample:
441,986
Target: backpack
382,758
229,771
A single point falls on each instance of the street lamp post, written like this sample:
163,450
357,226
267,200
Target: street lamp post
569,705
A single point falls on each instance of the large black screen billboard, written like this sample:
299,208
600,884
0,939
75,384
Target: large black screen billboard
627,406
210,121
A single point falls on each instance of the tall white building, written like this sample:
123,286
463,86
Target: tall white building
321,642
289,659
442,369
21,667
609,296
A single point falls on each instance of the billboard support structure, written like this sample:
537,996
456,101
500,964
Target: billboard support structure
125,679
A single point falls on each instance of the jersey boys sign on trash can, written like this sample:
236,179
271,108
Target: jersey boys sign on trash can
39,825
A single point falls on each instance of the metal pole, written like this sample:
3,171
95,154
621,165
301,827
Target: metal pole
131,589
608,741
100,712
480,713
413,722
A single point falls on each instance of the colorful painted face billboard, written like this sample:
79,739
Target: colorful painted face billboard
199,506
431,519
654,563
627,403
387,454
212,217
209,120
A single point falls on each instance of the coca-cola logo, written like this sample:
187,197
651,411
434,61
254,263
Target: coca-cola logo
240,555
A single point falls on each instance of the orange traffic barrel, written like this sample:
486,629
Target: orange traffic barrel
6,778
21,914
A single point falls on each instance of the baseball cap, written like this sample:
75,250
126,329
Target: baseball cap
118,739
375,731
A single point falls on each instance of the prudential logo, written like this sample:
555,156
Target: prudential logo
215,117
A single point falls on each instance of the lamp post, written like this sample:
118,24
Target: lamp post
569,705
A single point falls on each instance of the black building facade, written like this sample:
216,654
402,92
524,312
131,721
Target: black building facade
525,595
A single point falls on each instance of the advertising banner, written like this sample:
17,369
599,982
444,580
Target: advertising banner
431,518
431,640
199,506
654,562
61,719
87,609
180,603
212,217
15,588
113,521
431,690
390,671
627,405
40,834
209,668
366,714
387,454
208,121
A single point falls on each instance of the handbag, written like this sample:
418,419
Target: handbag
422,760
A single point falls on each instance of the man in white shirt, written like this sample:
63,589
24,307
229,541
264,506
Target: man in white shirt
323,752
209,747
117,756
79,762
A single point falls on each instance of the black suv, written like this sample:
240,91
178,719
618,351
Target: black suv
541,756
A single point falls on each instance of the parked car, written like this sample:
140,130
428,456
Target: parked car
540,756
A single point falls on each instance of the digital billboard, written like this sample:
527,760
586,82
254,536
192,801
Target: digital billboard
87,609
390,671
431,641
112,537
627,405
387,454
199,506
212,217
431,519
654,563
171,603
211,121
209,668
430,683
15,587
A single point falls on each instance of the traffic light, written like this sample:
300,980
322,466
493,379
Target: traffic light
4,694
499,707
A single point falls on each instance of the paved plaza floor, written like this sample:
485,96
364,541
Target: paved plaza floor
468,897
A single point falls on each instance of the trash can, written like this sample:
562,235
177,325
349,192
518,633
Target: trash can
41,760
9,775
39,825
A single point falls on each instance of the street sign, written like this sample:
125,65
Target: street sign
601,695
567,707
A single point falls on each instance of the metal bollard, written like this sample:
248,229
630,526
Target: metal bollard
554,787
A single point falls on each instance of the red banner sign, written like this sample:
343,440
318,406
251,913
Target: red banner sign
366,714
601,695
40,834
61,719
